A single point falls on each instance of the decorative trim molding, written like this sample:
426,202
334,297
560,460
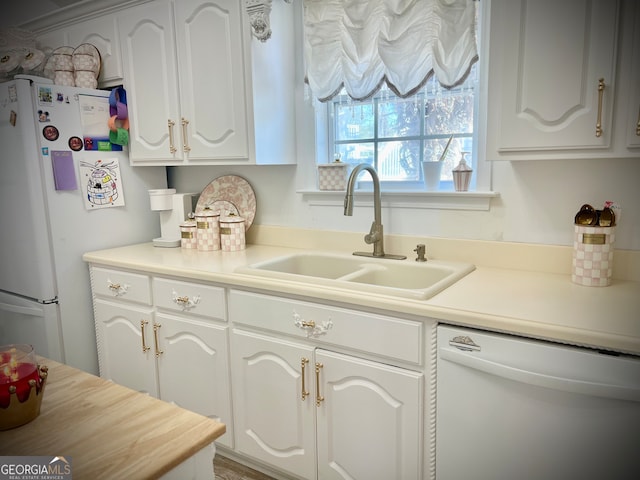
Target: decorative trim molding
259,12
77,13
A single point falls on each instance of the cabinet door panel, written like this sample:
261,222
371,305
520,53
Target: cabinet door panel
212,85
547,58
103,33
633,122
273,423
120,341
194,368
369,424
149,65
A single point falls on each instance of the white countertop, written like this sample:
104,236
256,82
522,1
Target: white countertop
535,304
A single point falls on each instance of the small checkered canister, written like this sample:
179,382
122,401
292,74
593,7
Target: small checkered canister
232,236
208,230
188,235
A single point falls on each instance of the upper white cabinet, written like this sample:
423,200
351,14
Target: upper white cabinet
187,71
101,32
630,67
553,86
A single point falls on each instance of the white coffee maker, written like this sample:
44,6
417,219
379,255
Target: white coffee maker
174,209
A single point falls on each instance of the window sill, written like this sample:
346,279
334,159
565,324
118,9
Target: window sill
408,199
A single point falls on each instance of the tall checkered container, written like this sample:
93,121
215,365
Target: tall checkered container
208,230
593,255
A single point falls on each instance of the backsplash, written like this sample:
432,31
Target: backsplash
536,204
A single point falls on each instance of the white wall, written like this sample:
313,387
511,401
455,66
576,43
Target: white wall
537,203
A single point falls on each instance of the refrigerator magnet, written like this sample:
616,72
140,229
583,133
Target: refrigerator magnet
13,116
75,144
50,133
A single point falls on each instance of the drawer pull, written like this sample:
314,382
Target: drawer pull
600,95
145,349
310,327
117,289
319,398
156,327
184,301
303,364
638,124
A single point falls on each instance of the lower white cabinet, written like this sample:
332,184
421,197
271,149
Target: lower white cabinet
319,391
316,413
160,338
124,345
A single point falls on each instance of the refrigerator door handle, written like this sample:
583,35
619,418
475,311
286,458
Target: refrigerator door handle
540,379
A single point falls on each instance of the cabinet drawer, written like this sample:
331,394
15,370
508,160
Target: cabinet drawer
377,334
191,298
133,287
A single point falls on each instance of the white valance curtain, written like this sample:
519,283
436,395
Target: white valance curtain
360,44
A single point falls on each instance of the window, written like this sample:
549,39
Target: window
396,135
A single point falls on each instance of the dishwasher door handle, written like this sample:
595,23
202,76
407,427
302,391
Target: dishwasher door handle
540,379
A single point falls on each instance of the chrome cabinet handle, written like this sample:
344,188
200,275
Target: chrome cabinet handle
185,139
172,148
156,327
145,349
303,364
600,95
117,289
185,301
319,398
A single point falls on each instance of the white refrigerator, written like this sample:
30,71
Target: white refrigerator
65,189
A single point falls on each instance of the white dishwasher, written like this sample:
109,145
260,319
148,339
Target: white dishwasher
511,408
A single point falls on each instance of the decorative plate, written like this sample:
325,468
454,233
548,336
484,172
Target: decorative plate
230,194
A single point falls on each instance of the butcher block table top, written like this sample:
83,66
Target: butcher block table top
108,430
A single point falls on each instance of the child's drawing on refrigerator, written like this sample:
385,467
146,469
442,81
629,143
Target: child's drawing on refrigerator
103,184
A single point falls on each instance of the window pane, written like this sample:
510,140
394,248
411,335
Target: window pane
356,153
449,113
353,121
399,160
395,135
399,117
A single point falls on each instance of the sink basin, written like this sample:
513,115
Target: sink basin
400,278
311,265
